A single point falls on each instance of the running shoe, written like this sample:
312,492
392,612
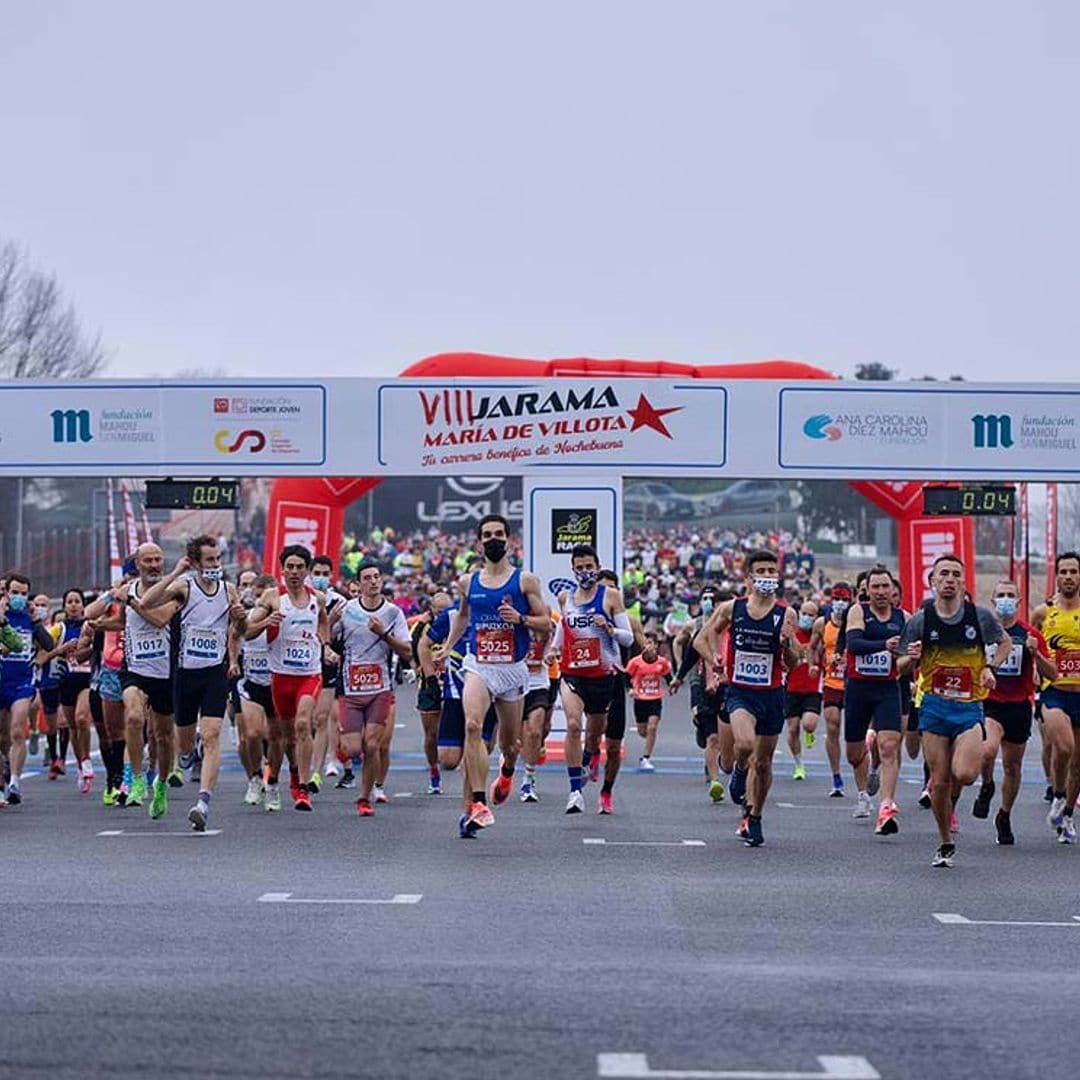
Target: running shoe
799,772
253,795
466,829
379,794
873,782
294,786
594,768
333,769
716,791
981,806
645,765
176,777
809,739
86,777
1048,794
528,791
129,777
862,806
575,804
34,743
945,855
743,831
138,793
754,836
315,784
954,822
500,789
1066,834
481,816
302,800
837,789
737,788
14,794
56,768
348,780
186,759
605,806
1003,825
1056,815
364,808
159,804
108,796
198,815
887,825
272,798
925,799
434,784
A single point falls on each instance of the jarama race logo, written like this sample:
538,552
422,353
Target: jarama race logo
821,427
228,442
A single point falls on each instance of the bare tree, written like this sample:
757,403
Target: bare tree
40,335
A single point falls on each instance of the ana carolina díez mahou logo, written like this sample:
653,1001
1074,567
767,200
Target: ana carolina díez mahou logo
821,427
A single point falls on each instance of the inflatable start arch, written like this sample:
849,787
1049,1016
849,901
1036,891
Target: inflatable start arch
311,511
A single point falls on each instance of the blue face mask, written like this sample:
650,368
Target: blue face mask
706,606
1006,606
806,622
319,582
17,601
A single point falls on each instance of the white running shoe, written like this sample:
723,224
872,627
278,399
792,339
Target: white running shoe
862,807
378,794
1067,832
645,765
271,798
253,795
1056,815
576,803
333,769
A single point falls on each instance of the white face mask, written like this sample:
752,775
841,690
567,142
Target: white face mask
212,573
766,586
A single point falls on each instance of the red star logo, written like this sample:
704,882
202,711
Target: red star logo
644,415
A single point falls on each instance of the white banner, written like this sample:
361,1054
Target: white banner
635,427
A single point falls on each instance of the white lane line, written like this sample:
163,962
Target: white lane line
398,727
802,806
403,794
636,1067
288,898
952,918
155,832
596,840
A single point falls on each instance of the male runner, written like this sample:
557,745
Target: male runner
374,631
593,625
647,673
206,630
538,703
429,689
325,743
802,689
499,606
872,695
762,636
947,637
1059,621
828,632
294,618
1008,709
256,702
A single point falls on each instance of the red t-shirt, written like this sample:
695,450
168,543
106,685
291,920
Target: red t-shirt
1016,676
648,679
799,679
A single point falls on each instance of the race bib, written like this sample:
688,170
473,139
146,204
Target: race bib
1068,663
205,645
257,663
584,653
836,666
149,645
535,657
752,669
365,678
1012,664
954,683
299,653
649,687
875,665
495,645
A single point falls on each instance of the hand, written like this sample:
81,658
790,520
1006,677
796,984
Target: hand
551,658
506,610
914,650
330,658
986,679
234,671
183,565
275,618
375,626
438,655
119,592
893,644
237,611
601,623
69,647
673,686
1031,644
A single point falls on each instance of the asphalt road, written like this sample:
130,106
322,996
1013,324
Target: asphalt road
531,951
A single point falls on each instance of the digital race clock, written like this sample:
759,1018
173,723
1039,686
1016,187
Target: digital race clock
192,494
969,499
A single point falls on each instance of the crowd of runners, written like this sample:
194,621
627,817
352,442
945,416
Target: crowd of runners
310,673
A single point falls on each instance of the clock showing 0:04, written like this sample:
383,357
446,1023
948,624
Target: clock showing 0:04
192,494
981,500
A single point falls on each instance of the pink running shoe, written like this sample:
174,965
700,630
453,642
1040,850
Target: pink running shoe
605,806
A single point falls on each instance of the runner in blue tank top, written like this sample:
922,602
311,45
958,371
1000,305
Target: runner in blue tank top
499,606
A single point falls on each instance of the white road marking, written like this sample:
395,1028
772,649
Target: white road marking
288,898
642,843
636,1067
403,794
952,918
155,832
398,727
802,806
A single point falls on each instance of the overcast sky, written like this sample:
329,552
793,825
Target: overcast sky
342,188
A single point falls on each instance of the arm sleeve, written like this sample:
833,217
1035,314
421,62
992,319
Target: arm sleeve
43,639
990,626
912,632
557,638
858,644
689,659
623,635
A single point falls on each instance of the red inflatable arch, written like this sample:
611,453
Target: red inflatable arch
311,511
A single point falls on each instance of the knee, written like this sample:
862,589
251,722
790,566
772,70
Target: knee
449,758
856,754
573,729
762,764
1011,769
712,742
744,747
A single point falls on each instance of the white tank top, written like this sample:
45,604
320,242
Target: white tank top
204,627
295,648
367,657
256,654
146,646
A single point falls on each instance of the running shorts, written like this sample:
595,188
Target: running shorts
505,682
798,703
159,692
616,714
452,724
643,710
11,694
50,699
200,692
429,695
765,706
109,685
71,686
832,698
1061,699
259,694
595,693
356,712
537,699
937,716
1014,718
287,690
867,702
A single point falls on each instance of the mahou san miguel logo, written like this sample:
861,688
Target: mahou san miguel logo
556,419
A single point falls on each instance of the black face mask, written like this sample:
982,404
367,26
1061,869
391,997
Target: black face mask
494,550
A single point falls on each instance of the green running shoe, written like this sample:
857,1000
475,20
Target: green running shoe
716,791
160,802
809,738
137,795
799,772
108,796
